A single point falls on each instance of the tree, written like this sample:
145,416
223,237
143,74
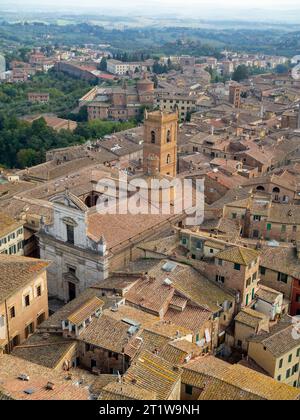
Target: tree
155,81
240,73
282,69
27,157
103,64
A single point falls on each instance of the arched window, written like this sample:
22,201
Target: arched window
276,190
169,136
169,158
260,188
153,137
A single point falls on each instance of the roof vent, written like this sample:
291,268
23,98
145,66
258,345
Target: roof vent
168,282
50,386
169,266
29,391
23,377
187,358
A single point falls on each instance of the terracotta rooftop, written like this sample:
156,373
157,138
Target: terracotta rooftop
86,310
126,312
45,350
281,339
16,272
197,372
282,259
267,294
121,228
152,373
222,381
108,333
55,320
192,317
178,351
125,391
192,285
250,317
153,341
12,367
260,385
8,225
238,255
150,294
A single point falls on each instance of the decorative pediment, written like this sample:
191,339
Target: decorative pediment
67,199
69,221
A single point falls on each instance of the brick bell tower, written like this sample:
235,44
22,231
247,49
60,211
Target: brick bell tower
160,142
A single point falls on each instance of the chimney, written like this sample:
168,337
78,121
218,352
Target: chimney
50,386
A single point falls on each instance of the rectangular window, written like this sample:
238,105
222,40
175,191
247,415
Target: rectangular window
282,277
220,279
288,373
199,245
237,267
27,300
39,291
262,271
40,319
269,226
189,389
280,363
12,312
70,234
279,378
295,368
29,330
290,358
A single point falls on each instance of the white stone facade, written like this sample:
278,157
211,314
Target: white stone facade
78,261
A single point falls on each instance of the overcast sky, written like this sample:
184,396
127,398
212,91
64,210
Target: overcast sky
184,4
251,9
